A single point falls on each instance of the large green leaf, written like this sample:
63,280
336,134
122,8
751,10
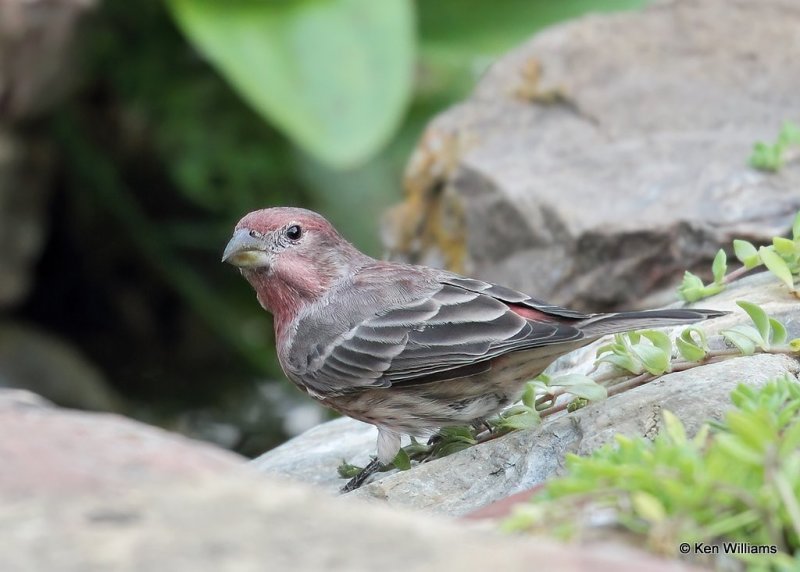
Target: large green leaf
334,75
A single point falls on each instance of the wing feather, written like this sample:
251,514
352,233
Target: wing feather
451,331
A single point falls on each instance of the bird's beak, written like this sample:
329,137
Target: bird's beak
246,251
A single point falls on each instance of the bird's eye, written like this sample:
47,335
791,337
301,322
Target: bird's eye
294,232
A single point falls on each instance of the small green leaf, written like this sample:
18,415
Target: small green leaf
767,157
648,507
673,427
743,338
577,403
784,246
746,253
789,135
626,362
689,350
581,386
776,265
692,288
402,461
779,333
529,395
796,226
348,471
654,360
689,333
759,317
736,448
659,340
795,344
719,266
526,420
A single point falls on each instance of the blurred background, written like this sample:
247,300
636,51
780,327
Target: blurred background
133,135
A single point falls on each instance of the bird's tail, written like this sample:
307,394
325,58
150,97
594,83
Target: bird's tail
603,324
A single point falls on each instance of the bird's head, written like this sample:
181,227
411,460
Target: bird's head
289,255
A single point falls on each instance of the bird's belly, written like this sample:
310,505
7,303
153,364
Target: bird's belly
419,409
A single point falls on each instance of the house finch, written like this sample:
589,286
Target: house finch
406,348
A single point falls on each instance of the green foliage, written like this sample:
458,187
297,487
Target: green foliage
771,156
765,334
637,352
737,482
692,344
334,75
782,258
692,287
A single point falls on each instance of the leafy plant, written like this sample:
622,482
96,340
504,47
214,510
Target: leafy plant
782,258
334,75
738,481
771,156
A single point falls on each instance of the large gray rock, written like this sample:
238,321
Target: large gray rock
470,479
595,163
89,493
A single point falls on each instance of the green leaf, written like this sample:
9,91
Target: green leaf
626,362
746,338
790,134
580,386
784,246
719,266
526,420
654,360
402,461
577,403
648,506
529,395
689,350
673,427
348,471
746,253
795,344
776,265
692,288
334,75
737,449
659,340
796,226
779,334
767,157
759,317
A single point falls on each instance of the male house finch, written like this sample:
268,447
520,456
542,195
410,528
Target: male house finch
406,348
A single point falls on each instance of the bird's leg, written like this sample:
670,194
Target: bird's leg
374,466
481,425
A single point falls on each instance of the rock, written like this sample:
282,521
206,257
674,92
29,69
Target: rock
610,153
52,368
465,481
36,48
86,492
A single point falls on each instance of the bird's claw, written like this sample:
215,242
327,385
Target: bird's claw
373,467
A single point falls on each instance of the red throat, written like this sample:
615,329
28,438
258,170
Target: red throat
281,299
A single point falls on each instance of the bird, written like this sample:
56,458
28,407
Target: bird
407,348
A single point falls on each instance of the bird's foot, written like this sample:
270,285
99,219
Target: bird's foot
373,467
482,426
